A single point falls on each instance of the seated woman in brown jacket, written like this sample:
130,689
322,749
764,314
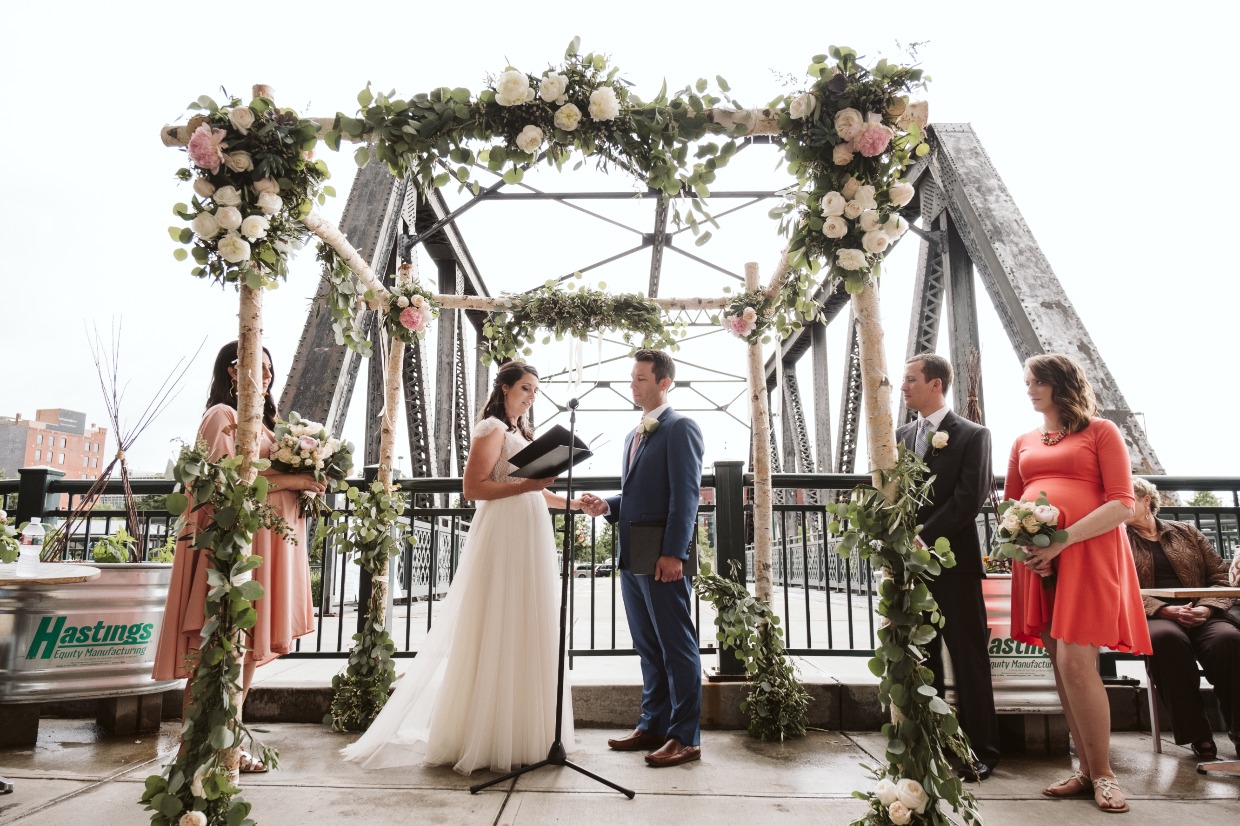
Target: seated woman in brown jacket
1185,631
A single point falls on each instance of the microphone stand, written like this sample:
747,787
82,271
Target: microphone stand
556,755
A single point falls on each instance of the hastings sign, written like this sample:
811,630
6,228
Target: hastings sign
83,639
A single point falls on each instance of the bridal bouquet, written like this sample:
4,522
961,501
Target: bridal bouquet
303,446
1027,524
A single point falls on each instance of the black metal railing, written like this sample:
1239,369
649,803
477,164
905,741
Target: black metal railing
826,602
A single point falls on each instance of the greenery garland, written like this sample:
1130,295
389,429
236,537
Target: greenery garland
777,703
574,312
882,533
196,789
373,535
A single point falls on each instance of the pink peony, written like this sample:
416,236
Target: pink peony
739,326
206,147
307,444
413,319
874,140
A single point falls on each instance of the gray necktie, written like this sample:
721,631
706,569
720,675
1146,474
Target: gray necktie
921,443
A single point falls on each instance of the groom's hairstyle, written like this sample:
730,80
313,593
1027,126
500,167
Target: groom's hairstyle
661,363
934,366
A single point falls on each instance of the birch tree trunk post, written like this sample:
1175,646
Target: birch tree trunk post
876,389
761,461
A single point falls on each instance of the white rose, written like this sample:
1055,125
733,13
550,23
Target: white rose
1031,524
835,227
603,103
1011,521
939,440
512,88
749,314
195,783
233,248
899,813
875,242
885,791
418,302
912,795
849,190
402,302
848,123
866,196
255,227
270,203
205,226
530,139
842,154
228,196
266,185
803,106
567,117
900,194
1046,514
853,210
228,217
895,226
851,259
239,161
242,118
833,204
552,87
193,819
204,188
869,220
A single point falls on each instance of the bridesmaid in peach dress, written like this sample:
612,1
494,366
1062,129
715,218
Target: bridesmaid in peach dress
285,611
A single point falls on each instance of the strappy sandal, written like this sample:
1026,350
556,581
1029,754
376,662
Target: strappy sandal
1206,750
1064,788
249,764
1107,788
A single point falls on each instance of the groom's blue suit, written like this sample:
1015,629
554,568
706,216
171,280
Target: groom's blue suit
663,484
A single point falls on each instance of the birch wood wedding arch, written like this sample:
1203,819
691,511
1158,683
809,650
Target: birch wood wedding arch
848,137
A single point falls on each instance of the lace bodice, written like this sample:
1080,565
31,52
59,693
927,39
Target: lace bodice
513,443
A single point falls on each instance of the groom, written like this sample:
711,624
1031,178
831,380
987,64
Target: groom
957,451
661,479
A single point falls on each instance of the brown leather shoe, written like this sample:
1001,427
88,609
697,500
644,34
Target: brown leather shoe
673,754
637,741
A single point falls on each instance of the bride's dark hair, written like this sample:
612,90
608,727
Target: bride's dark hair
509,375
224,387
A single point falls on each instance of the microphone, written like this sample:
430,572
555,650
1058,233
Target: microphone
572,404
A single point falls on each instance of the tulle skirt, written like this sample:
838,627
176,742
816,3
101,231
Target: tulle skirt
481,692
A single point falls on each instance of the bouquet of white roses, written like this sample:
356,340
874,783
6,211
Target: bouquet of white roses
1027,524
303,446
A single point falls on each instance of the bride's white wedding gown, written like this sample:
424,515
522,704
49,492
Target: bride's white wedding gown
481,691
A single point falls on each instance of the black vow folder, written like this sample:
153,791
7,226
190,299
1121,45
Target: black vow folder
646,546
549,455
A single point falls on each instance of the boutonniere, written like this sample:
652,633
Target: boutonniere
649,425
938,439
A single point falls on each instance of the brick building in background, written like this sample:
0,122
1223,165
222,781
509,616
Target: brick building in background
54,438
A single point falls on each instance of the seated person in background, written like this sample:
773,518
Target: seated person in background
1186,631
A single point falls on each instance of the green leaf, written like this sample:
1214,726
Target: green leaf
176,503
362,156
365,98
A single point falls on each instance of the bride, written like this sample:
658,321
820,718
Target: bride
481,692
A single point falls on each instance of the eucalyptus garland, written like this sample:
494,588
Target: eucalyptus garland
345,300
882,533
372,533
197,781
777,703
574,312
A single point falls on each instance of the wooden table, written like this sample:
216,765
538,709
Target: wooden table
47,573
1228,767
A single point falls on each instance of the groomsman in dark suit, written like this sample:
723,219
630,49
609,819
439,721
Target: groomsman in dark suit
957,451
661,477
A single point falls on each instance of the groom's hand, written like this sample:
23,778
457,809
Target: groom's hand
669,569
592,505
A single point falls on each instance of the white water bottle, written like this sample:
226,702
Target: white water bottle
31,548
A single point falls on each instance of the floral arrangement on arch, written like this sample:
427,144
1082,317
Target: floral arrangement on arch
254,177
849,137
748,316
410,310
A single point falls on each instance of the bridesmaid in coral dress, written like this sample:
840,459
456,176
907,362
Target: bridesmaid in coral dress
285,611
1093,599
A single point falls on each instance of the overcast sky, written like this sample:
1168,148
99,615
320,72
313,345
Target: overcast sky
1101,118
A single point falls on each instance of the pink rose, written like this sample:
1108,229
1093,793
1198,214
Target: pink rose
412,319
739,327
206,147
307,443
842,154
874,140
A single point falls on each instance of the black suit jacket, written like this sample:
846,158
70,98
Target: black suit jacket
962,482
